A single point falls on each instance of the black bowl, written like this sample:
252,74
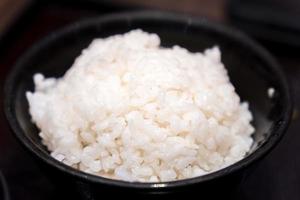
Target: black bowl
251,69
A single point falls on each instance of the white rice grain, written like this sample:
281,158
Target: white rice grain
129,109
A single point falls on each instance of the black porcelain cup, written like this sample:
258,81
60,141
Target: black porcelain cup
251,69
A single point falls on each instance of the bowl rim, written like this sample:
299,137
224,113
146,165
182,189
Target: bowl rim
230,33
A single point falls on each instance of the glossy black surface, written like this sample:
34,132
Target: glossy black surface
250,68
4,192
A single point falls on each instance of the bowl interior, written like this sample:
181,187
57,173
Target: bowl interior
249,71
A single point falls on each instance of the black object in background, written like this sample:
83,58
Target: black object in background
276,21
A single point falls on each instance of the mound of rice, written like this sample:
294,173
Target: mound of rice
129,109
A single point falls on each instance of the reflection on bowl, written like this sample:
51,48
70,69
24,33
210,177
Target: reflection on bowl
4,193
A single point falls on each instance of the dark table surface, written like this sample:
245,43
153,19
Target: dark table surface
277,176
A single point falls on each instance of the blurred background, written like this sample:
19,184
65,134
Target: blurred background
273,23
